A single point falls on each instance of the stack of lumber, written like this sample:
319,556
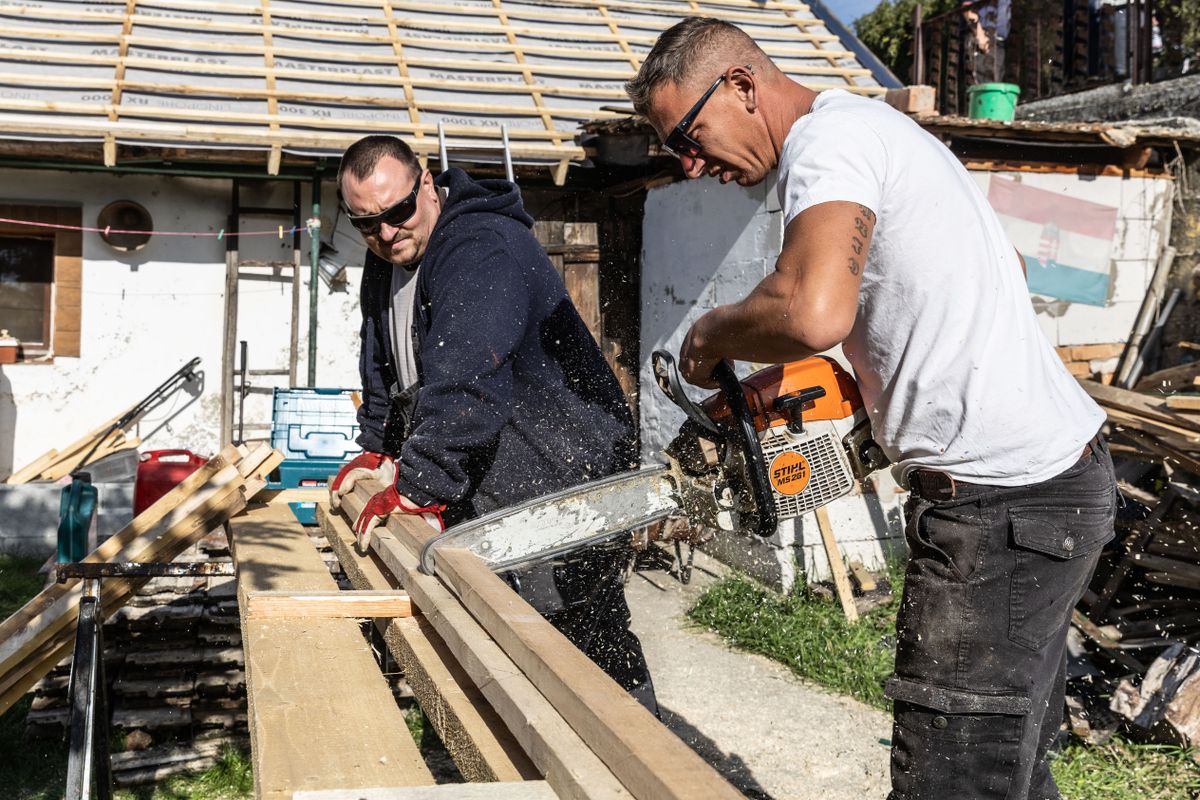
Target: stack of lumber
1142,609
41,633
55,464
173,659
509,696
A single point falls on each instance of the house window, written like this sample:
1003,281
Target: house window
41,280
26,289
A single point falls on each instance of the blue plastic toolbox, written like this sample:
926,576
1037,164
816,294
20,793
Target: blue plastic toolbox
314,423
315,430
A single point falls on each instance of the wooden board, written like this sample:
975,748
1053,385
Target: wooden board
1184,402
649,760
530,790
837,567
321,715
473,733
568,764
1138,404
170,525
326,605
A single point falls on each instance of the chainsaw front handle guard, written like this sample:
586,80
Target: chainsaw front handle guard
667,377
744,436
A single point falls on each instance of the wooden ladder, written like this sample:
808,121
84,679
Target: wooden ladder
234,371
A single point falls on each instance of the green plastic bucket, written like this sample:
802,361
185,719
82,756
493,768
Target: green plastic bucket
993,100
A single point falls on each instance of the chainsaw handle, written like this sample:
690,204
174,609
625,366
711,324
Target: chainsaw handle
667,377
746,437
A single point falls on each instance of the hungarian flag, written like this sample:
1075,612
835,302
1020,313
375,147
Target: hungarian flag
1065,242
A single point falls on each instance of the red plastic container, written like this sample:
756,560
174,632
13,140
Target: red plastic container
159,471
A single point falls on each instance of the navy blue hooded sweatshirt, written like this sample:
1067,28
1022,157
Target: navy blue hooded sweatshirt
516,400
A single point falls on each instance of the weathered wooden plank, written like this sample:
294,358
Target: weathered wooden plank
328,605
321,715
174,522
648,759
568,764
529,790
472,731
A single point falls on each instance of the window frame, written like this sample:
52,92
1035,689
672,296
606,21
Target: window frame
62,327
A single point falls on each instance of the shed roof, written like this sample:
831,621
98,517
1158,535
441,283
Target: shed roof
308,77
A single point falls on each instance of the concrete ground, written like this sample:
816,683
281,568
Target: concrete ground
771,734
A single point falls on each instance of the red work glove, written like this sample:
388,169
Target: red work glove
365,466
387,502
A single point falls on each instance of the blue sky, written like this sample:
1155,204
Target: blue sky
850,10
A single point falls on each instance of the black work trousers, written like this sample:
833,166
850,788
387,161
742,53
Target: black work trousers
584,598
993,574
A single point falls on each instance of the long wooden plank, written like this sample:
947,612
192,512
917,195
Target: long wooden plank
171,510
472,731
568,764
649,760
1139,405
837,567
36,650
530,790
326,605
321,714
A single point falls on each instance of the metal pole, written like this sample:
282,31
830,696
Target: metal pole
314,238
508,167
918,65
445,159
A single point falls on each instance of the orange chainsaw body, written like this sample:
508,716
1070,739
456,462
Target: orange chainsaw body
841,400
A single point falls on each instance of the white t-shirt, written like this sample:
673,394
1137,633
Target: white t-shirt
404,290
953,367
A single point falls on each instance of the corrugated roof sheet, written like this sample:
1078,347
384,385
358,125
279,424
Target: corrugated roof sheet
311,76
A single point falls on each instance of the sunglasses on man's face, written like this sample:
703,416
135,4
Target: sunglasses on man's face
678,141
395,215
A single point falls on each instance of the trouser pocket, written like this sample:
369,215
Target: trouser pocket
954,744
1056,548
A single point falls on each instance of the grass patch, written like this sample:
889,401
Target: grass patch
1121,770
19,582
807,633
812,637
229,779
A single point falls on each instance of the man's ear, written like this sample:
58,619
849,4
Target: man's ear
745,83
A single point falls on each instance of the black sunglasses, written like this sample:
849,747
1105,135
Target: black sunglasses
396,215
678,141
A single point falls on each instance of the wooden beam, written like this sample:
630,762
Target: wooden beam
529,790
837,567
649,760
472,731
1184,402
172,514
29,652
569,765
321,715
326,605
1138,404
646,757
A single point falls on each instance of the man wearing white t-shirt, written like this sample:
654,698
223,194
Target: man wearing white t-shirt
892,251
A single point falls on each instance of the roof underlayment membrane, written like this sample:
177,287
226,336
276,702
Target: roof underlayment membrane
311,76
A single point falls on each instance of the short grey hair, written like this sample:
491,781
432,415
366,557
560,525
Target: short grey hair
682,48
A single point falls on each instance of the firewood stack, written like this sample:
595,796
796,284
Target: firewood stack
1137,629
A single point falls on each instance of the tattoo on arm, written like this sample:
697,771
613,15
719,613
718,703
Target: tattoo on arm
856,244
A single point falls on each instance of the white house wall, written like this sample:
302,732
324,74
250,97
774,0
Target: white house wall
705,244
145,314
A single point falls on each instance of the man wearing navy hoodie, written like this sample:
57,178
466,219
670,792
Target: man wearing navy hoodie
482,387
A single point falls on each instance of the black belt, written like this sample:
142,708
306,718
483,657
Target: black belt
933,484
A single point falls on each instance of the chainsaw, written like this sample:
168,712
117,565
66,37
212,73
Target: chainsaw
787,440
